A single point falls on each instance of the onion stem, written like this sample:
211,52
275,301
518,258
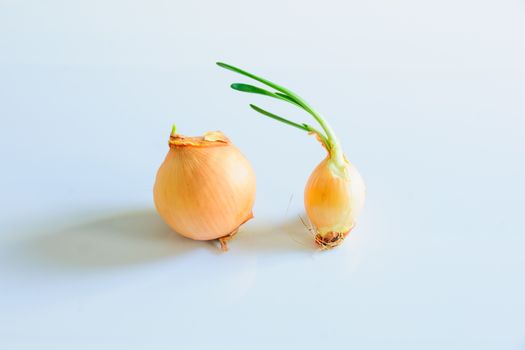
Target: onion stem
328,138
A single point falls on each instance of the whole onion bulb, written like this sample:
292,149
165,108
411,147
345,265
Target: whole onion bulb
205,188
333,198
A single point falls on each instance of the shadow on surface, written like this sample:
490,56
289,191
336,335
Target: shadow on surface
124,238
140,236
288,236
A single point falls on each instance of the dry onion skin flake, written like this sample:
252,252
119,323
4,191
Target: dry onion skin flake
335,192
205,188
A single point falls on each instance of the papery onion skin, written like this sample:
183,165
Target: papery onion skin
205,188
333,198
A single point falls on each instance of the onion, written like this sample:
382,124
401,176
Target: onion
205,188
332,200
335,191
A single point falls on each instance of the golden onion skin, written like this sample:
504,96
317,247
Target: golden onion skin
333,200
205,188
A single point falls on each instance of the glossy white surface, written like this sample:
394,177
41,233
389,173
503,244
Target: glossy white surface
427,98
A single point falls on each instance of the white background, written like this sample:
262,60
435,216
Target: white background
428,98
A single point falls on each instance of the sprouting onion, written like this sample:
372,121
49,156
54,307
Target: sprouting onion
335,192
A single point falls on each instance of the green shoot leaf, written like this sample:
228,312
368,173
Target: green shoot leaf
253,76
252,89
290,99
257,90
302,126
281,119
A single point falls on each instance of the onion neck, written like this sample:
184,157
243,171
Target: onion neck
335,150
338,162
